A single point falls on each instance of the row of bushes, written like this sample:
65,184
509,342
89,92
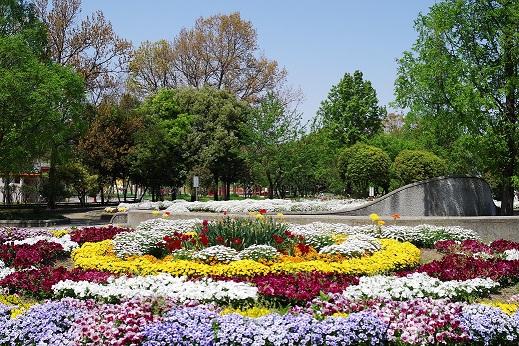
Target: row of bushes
362,165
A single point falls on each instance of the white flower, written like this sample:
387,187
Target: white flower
416,285
65,241
257,252
219,253
178,289
354,246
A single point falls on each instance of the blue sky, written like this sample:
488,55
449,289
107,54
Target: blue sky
316,41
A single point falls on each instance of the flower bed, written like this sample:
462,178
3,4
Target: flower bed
256,281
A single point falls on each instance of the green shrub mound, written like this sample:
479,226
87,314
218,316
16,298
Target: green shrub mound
415,165
362,165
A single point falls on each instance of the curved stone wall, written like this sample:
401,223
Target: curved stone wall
442,196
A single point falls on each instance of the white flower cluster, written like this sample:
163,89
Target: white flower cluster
222,253
416,234
148,234
354,246
163,285
511,255
248,205
218,253
65,241
417,285
4,271
258,252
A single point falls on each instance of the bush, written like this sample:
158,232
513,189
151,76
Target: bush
415,165
363,165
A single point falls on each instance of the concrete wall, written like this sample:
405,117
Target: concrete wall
489,228
443,196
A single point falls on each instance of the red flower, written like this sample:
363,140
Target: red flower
204,240
220,239
278,239
225,212
303,248
262,211
236,241
205,223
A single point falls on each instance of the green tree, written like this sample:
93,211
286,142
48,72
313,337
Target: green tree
217,136
78,179
107,144
351,110
40,105
362,166
162,159
270,126
461,78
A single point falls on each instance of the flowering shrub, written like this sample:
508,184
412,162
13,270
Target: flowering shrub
354,246
301,286
114,324
394,255
462,267
489,325
248,205
177,289
27,255
95,234
66,243
204,327
258,253
10,233
46,324
417,285
39,282
422,235
148,234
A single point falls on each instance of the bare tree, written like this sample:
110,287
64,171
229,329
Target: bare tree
152,68
219,51
88,44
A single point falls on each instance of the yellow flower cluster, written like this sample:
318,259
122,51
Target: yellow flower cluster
253,312
20,305
58,233
393,255
508,308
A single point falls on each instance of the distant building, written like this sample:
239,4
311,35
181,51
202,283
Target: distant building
24,187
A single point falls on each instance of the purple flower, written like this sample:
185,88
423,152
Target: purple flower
490,326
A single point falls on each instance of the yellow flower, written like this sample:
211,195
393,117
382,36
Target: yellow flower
394,255
58,233
340,314
155,213
122,209
507,308
253,312
381,222
19,305
374,217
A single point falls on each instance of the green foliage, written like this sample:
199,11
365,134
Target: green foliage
415,165
271,131
351,110
460,80
249,231
393,143
78,179
362,166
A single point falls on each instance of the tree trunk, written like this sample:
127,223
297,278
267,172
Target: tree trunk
215,197
53,179
173,193
227,190
7,189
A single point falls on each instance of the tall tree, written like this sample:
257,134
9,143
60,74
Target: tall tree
152,68
220,51
461,78
89,45
269,127
351,110
110,140
20,17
